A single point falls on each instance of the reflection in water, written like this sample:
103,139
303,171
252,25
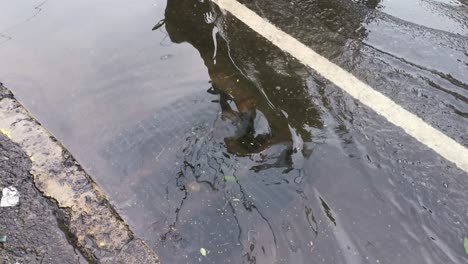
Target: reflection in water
251,181
273,165
262,138
271,111
263,129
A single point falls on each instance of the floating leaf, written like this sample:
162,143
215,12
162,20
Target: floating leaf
203,252
466,245
230,179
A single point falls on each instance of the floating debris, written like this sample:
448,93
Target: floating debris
203,252
10,197
465,243
230,179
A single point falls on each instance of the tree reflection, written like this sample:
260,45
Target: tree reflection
267,106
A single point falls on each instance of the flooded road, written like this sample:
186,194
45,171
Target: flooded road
205,135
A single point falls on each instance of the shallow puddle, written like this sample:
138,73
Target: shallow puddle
217,147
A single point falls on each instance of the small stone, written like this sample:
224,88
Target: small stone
194,186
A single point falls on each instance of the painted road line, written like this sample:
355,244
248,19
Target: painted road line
382,105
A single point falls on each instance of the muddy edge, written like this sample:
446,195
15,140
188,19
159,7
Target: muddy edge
94,226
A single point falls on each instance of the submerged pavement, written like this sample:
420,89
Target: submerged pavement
218,147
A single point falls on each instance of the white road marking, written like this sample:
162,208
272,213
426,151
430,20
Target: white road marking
382,105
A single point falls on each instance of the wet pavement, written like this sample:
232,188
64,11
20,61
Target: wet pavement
205,135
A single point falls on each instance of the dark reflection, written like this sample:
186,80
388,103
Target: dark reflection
269,109
266,111
331,27
260,89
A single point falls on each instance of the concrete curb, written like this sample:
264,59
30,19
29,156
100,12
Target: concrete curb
29,229
98,231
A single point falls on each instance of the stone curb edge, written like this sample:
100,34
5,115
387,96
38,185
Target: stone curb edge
95,227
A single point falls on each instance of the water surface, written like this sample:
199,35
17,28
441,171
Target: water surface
204,135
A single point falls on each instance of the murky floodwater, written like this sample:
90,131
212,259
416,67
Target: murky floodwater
206,136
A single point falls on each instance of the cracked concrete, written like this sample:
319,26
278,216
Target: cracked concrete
97,230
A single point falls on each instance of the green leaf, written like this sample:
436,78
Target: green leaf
230,179
466,245
203,252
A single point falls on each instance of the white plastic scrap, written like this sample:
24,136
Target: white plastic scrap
10,197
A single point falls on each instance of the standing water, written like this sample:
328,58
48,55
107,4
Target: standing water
217,147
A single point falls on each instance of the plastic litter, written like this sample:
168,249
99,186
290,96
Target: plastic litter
10,197
3,239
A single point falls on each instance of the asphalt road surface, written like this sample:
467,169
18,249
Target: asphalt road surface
207,136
